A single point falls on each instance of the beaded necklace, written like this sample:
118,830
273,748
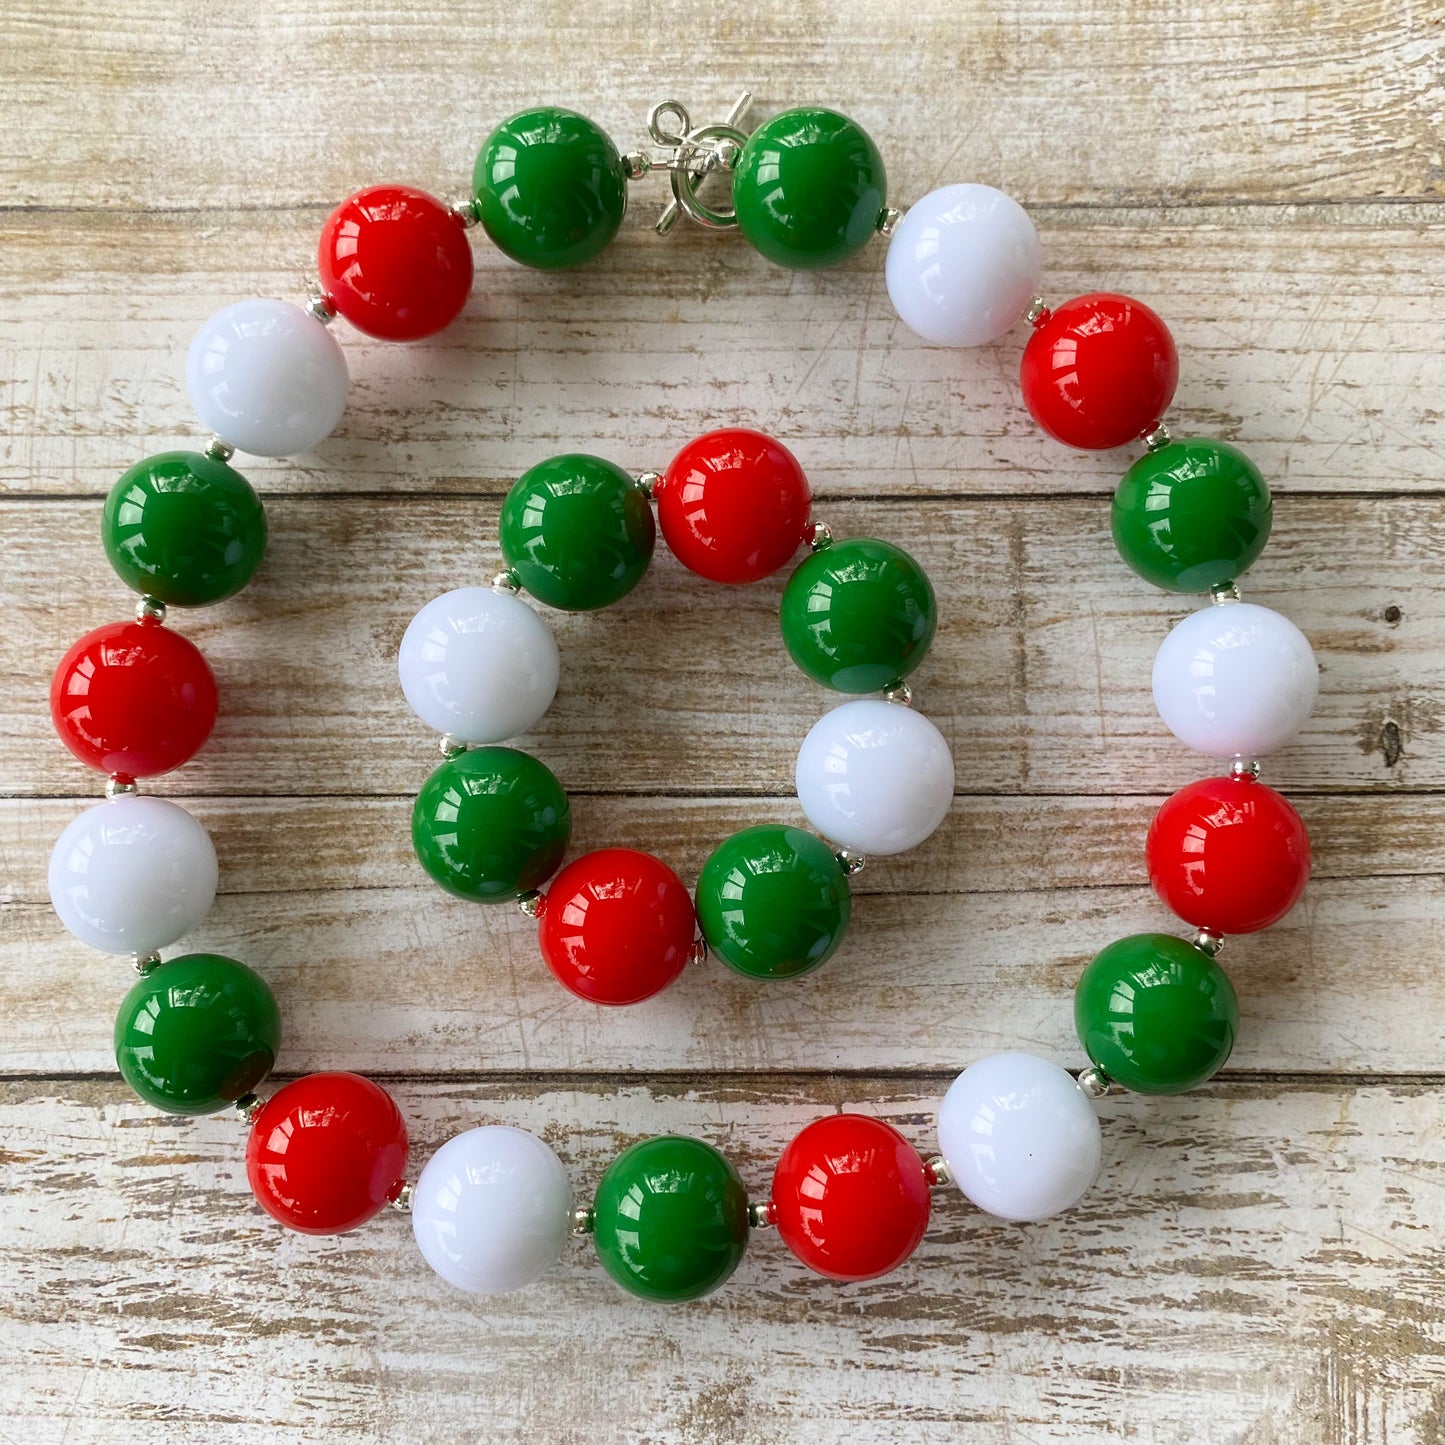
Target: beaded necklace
492,1208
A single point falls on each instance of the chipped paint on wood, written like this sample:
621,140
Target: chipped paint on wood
1261,1261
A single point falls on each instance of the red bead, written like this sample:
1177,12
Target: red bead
617,926
733,505
133,699
395,262
1099,371
1228,854
850,1197
326,1153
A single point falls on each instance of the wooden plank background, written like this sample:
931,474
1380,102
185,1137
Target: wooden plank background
1261,1261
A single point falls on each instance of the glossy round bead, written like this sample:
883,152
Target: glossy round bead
492,1209
733,505
1099,371
1155,1013
858,615
809,188
1228,854
773,902
670,1220
184,528
850,1197
578,531
491,823
478,664
326,1153
550,188
134,699
395,262
1236,680
1019,1137
267,378
874,777
617,926
1192,515
132,874
963,265
196,1033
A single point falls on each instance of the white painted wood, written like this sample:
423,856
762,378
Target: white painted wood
1261,1262
1039,676
1307,334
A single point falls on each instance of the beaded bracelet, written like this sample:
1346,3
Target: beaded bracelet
670,1218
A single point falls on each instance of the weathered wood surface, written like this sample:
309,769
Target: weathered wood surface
1336,389
1039,678
1260,1262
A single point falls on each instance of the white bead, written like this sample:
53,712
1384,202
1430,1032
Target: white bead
266,377
1235,680
132,874
1019,1137
478,664
492,1209
963,265
875,777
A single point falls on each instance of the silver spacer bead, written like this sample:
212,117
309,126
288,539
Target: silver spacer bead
1224,592
219,450
143,963
900,693
647,483
1206,940
636,164
698,952
1038,311
888,219
851,863
465,210
506,581
530,903
581,1221
119,787
150,609
318,304
760,1216
818,535
1244,768
449,747
247,1106
1096,1084
402,1202
1157,438
937,1172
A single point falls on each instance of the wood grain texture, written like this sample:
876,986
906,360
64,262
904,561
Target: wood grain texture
1260,1263
1308,334
196,106
1039,677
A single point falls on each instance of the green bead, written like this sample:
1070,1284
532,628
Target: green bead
1156,1014
858,615
578,531
184,528
197,1033
550,188
809,188
670,1221
773,902
491,823
1192,515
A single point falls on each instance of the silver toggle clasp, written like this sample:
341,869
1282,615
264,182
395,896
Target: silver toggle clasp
696,152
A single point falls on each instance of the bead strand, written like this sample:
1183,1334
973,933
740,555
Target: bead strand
492,1209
